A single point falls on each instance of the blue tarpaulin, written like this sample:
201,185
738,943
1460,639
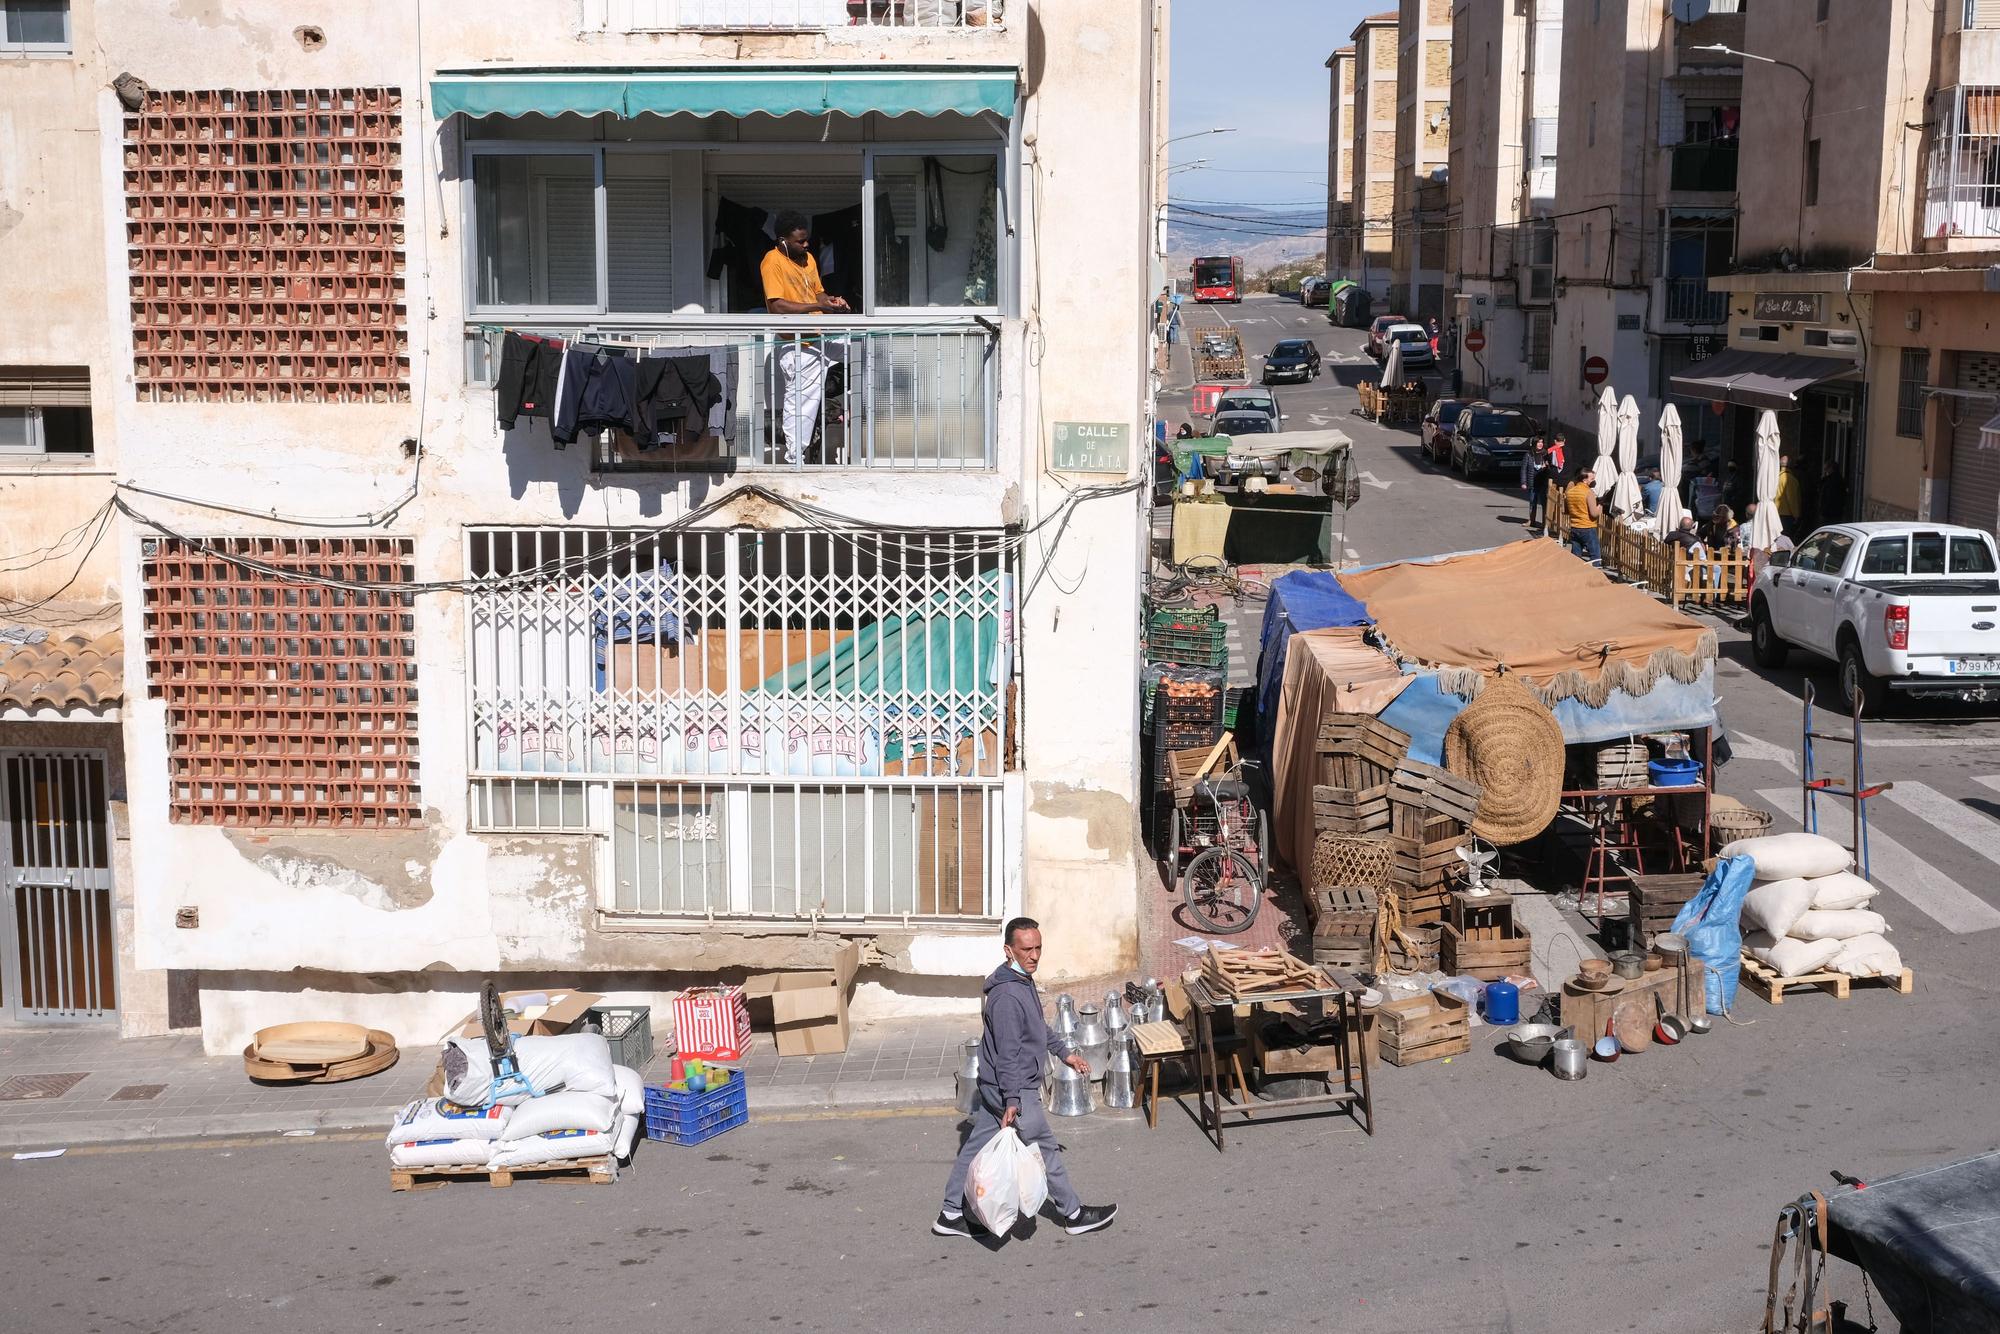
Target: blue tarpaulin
1301,600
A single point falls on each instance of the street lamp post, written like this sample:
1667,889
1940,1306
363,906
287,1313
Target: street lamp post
1805,129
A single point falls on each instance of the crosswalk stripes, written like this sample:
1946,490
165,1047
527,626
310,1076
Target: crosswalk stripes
1897,869
1975,830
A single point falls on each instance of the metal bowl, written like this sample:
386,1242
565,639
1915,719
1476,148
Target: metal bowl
1532,1043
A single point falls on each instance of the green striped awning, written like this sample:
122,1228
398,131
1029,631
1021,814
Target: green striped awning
713,92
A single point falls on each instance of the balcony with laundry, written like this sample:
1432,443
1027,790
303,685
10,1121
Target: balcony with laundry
628,291
846,18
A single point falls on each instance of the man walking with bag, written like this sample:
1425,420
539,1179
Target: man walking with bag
1013,1043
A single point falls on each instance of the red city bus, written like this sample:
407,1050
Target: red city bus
1218,278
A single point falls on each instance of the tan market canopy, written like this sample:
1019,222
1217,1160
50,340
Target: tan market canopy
1536,610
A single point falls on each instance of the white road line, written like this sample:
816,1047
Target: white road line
1988,780
1896,868
1972,828
1743,746
1923,743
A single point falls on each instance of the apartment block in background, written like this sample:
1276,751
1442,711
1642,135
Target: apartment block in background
1374,180
1423,223
1341,244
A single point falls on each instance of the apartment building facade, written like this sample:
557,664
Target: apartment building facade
1645,202
1340,208
1423,223
442,657
1505,98
1371,217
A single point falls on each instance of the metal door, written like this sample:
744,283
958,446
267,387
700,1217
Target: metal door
57,955
1974,495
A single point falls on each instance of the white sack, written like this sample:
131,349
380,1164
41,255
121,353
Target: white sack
441,1153
1791,957
631,1090
561,1111
579,1062
441,1118
1843,925
1007,1182
628,1133
1774,907
1783,856
1840,891
555,1147
1867,956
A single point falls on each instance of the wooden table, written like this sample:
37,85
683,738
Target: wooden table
1214,1105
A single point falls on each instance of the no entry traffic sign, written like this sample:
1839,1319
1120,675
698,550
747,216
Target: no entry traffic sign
1475,340
1596,370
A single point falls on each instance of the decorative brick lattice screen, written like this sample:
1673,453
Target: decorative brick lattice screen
265,237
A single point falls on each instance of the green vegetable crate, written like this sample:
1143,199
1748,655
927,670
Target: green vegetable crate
1191,636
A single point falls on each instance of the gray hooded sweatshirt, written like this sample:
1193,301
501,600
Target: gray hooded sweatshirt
1016,1037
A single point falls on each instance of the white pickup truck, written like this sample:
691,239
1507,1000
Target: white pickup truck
1907,607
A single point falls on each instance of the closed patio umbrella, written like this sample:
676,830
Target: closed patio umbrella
1671,508
1764,524
1392,367
1625,493
1606,466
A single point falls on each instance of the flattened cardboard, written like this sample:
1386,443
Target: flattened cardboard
565,1012
809,1008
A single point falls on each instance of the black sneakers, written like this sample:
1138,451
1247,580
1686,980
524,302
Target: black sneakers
1089,1218
946,1226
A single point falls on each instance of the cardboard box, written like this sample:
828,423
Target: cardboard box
565,1011
712,1023
809,1009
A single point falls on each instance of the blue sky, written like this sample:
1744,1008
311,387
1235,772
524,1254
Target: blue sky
1259,65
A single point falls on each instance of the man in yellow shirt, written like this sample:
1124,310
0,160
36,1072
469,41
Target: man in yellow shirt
792,286
1581,507
1790,506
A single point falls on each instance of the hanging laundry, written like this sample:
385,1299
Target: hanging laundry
598,387
675,396
743,236
526,384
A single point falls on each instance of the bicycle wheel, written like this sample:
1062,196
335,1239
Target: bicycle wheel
1222,890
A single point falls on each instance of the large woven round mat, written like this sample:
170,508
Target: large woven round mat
1509,743
1348,860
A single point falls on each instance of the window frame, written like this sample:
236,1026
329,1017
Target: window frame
1910,394
66,47
37,450
1006,237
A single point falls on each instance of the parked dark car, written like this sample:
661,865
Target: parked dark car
1490,440
1435,431
1242,423
1292,359
1379,326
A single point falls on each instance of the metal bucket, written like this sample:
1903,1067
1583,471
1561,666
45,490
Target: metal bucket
1570,1059
968,1076
1069,1092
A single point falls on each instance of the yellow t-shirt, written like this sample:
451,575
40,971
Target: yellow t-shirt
786,281
1787,499
1576,503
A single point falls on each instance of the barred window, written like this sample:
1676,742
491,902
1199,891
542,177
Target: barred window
1910,382
1540,327
289,671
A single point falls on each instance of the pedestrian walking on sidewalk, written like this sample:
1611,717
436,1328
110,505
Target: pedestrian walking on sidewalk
1535,481
1013,1043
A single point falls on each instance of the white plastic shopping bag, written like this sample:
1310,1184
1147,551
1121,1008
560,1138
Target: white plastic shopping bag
1008,1183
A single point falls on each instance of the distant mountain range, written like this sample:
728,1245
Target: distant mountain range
1266,237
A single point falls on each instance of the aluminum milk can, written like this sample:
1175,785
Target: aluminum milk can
968,1076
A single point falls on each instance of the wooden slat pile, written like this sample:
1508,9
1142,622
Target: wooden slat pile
1245,974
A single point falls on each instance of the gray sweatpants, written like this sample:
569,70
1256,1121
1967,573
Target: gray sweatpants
1033,1128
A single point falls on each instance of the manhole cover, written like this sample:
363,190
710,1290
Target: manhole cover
137,1093
34,1088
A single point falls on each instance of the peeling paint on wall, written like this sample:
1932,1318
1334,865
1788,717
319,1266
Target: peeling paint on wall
1106,816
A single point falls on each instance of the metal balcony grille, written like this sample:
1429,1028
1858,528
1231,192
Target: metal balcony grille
1962,191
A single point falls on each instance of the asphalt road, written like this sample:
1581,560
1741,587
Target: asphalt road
1493,1198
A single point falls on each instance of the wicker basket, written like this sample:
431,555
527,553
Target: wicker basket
1729,823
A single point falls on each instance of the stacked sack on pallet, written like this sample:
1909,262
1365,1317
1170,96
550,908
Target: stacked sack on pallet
584,1107
1808,912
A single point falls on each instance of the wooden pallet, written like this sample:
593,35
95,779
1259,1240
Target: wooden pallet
1764,980
599,1171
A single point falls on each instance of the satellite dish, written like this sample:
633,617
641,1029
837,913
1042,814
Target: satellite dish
1690,11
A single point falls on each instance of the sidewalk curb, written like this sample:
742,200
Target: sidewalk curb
194,1127
935,1092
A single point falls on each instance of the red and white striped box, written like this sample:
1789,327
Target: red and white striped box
712,1024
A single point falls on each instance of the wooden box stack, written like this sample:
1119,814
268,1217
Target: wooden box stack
1359,750
1426,868
1655,901
1481,938
1343,925
1422,1028
1423,796
1346,810
1414,949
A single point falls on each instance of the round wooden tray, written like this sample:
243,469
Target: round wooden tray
311,1043
381,1053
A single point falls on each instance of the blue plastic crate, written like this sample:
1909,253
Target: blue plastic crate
689,1118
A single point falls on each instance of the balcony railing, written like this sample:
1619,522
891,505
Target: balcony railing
835,393
1703,166
648,16
1690,302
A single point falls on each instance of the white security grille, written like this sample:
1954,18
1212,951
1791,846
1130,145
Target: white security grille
799,722
636,16
1962,194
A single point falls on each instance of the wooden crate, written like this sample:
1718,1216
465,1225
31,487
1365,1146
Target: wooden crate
1343,810
1764,980
1285,1060
599,1171
1422,1028
1489,916
1654,901
1488,960
1423,907
1422,792
1358,750
1184,768
1426,863
1415,949
1342,910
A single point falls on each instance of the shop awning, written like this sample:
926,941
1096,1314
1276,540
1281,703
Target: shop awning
731,92
1759,379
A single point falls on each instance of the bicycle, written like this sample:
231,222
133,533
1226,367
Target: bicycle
1222,883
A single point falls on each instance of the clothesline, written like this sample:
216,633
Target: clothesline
680,337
